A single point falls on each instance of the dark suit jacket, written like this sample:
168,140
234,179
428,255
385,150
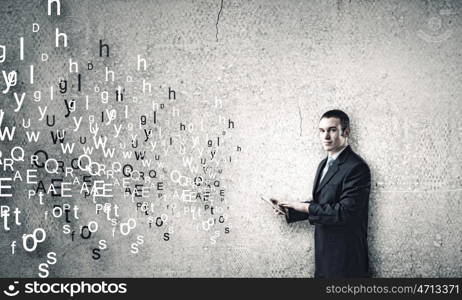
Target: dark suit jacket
339,212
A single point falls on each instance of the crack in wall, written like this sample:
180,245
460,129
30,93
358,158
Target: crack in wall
218,20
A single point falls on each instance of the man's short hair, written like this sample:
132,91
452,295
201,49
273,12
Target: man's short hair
337,113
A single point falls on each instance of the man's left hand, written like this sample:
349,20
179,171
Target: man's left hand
298,206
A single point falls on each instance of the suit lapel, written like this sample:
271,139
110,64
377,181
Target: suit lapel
332,170
318,173
330,173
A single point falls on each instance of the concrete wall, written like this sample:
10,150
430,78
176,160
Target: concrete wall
393,66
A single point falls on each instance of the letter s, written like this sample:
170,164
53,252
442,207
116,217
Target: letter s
96,254
122,288
43,268
51,258
66,229
102,244
166,236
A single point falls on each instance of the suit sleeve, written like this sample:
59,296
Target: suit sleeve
294,215
353,200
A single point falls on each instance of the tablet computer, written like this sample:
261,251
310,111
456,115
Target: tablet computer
276,207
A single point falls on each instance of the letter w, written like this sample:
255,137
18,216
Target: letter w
33,135
67,147
100,142
188,162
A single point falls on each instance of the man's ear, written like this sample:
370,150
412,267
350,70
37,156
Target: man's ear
346,132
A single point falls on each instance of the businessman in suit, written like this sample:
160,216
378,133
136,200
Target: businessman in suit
338,207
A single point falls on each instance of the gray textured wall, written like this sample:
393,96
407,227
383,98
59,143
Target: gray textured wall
393,66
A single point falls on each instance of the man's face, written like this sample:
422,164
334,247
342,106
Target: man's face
330,132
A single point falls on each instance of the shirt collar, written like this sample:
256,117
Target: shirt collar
334,156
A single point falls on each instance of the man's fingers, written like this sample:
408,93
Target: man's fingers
278,212
282,205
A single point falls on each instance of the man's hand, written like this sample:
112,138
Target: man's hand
298,206
277,202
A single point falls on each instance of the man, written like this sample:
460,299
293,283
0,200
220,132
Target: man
338,207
